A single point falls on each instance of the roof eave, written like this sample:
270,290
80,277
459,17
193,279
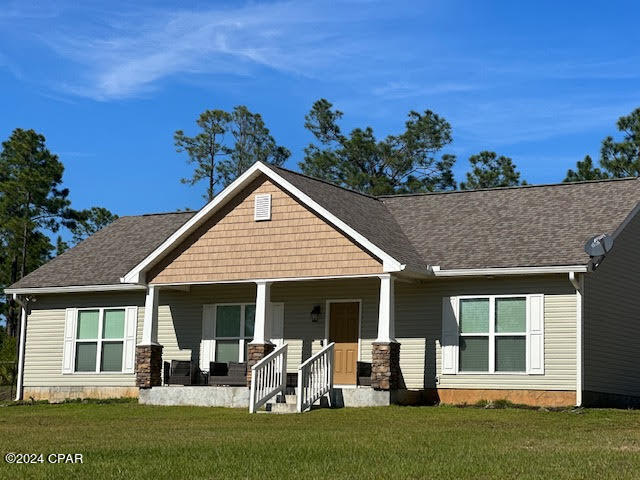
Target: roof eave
119,287
497,271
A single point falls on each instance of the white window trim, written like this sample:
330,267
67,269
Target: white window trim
492,334
242,339
98,341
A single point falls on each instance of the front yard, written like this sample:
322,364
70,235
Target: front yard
127,440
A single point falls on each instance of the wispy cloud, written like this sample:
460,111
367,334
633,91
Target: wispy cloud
394,90
126,56
368,55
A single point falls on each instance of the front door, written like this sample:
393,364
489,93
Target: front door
344,318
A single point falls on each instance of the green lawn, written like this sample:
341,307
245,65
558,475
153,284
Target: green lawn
127,440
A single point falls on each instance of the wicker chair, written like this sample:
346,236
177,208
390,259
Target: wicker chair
228,374
364,374
180,372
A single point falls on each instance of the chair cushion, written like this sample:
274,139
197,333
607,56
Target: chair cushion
180,367
218,368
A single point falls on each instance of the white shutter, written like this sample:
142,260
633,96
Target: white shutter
449,341
68,353
535,355
130,328
207,345
262,207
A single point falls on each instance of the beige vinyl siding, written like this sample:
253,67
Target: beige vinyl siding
419,328
45,340
233,246
612,318
180,316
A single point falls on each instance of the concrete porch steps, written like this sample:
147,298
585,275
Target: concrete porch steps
287,404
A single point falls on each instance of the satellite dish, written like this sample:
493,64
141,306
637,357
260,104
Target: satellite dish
599,245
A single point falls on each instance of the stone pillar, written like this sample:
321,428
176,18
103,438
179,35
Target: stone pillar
148,366
385,365
255,353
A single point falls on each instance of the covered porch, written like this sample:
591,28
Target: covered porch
237,324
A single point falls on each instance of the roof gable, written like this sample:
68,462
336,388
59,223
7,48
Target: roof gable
137,274
231,245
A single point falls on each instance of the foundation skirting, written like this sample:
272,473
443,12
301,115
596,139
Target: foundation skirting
59,394
538,398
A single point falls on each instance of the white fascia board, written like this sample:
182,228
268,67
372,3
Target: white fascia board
75,289
136,274
267,280
479,272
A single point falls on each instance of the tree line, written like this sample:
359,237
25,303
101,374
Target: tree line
34,205
33,208
412,161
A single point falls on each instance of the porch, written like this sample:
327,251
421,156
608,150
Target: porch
239,324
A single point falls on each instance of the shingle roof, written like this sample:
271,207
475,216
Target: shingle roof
365,214
509,227
108,254
512,227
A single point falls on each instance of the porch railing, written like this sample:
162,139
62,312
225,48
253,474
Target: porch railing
268,378
315,378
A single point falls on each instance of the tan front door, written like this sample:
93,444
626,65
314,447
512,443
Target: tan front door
343,330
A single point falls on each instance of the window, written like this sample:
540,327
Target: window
492,334
99,340
233,331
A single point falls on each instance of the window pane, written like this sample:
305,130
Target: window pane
111,357
474,315
86,357
227,350
474,354
88,324
511,315
228,321
249,320
113,326
511,354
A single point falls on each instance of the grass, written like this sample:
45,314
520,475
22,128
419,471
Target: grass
127,440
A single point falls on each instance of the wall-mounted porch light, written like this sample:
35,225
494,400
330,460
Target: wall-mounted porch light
316,311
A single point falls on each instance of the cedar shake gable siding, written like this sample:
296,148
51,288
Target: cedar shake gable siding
231,245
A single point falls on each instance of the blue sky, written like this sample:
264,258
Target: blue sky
108,83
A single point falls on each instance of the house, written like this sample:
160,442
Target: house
451,296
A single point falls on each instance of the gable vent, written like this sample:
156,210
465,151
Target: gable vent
262,207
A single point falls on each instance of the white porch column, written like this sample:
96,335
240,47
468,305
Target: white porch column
149,351
262,326
23,336
386,316
150,325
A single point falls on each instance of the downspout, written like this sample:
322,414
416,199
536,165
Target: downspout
578,284
23,335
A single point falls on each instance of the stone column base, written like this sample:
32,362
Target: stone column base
148,366
385,365
255,353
